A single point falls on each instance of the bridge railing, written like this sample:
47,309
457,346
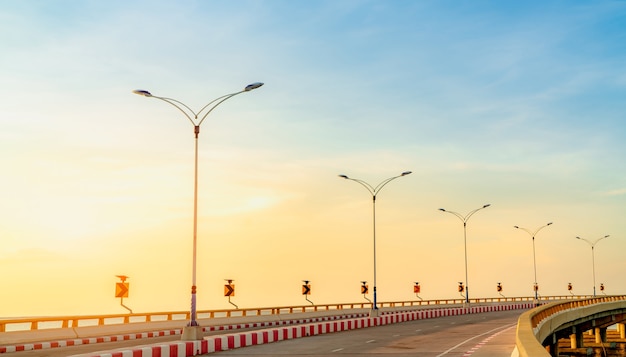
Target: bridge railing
527,341
50,322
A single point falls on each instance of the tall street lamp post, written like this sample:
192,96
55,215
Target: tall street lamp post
593,259
464,219
193,331
374,190
533,234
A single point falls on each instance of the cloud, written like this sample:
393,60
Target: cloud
617,192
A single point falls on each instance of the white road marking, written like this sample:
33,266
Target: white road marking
370,341
469,339
337,350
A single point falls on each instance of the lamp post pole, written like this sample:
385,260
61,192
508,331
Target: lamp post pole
464,219
193,330
533,234
374,190
593,259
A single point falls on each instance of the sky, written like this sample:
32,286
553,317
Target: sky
519,105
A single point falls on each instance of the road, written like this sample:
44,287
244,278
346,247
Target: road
477,335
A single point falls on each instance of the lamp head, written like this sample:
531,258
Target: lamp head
442,210
145,93
487,205
252,86
406,173
344,176
516,227
549,223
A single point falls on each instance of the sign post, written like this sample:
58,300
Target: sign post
229,290
306,291
121,290
365,290
417,289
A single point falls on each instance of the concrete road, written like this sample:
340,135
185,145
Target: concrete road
476,335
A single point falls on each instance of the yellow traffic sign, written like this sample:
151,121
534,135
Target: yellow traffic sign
121,290
229,290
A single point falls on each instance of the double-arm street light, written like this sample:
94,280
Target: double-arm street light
374,190
193,332
533,234
593,259
464,219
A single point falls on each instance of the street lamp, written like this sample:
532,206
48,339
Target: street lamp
533,234
593,259
374,190
464,219
193,330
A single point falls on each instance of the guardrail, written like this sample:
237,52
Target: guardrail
526,339
50,322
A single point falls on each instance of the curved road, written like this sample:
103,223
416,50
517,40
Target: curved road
489,334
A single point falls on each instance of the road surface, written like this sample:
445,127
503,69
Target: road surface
477,335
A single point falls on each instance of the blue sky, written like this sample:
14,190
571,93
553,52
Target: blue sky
517,104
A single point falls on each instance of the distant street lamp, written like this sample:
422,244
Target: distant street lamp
464,219
374,191
533,234
193,332
593,259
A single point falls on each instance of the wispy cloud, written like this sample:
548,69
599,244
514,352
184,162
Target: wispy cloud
617,192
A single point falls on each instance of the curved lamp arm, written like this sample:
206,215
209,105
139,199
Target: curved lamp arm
170,101
382,184
474,211
367,186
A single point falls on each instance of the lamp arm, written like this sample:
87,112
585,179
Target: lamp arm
219,101
367,186
538,229
173,103
457,215
599,239
472,213
382,184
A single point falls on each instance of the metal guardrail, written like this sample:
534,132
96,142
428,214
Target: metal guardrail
50,322
527,343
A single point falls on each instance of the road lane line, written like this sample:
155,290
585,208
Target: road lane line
471,338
